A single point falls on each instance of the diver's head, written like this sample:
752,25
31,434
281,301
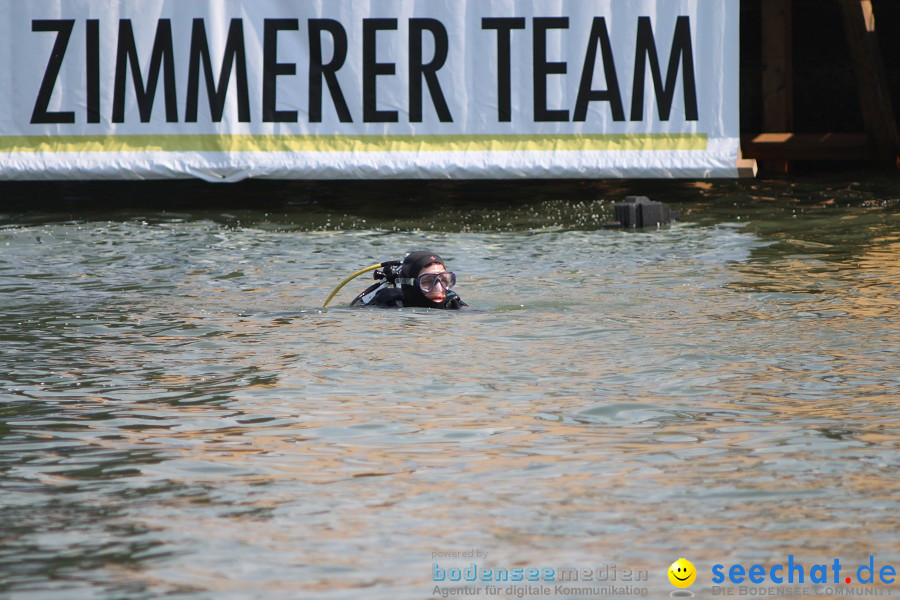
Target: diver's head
424,279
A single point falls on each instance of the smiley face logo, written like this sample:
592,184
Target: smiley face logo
682,573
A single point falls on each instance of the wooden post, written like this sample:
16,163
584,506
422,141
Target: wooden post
777,74
871,81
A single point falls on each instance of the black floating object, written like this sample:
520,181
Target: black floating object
641,211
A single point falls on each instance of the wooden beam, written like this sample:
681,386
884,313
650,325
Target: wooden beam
777,73
809,146
871,80
747,168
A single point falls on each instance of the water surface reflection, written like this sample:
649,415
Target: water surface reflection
179,416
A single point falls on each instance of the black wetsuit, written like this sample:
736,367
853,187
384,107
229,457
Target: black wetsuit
391,297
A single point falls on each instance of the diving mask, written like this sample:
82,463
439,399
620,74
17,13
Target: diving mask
428,281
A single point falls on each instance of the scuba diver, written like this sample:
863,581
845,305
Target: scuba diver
424,282
419,280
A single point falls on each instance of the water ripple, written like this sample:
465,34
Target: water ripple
179,417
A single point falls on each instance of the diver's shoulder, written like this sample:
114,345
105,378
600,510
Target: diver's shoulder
389,296
386,297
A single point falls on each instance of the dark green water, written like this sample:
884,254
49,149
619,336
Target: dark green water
179,418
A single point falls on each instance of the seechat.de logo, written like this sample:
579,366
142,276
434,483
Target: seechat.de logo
796,572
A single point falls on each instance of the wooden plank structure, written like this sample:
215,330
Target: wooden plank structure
777,75
778,145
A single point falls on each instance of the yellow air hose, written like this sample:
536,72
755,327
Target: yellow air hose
348,280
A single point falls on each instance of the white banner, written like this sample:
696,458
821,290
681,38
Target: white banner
339,89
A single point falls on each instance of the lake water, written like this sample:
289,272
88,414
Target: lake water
181,419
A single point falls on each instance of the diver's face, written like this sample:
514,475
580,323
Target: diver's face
438,294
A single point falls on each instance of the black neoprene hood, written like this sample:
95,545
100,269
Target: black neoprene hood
409,269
